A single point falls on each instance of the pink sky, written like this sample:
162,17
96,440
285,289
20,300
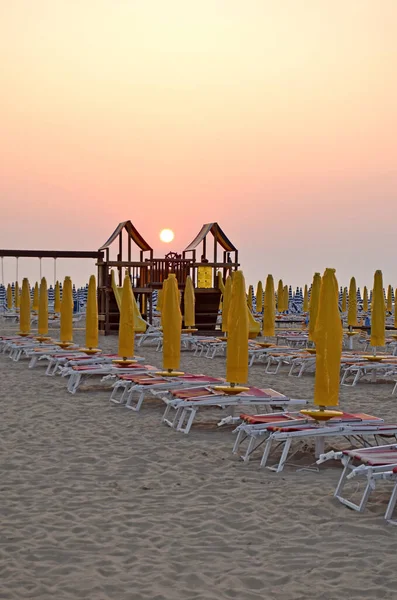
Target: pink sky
276,119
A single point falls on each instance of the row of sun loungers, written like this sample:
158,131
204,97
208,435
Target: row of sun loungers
269,431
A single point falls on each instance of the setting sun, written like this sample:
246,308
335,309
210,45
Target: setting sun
166,235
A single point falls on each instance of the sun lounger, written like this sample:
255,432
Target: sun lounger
186,403
361,433
58,361
370,463
77,374
356,371
132,386
256,428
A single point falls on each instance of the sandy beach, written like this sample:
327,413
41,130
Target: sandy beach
99,502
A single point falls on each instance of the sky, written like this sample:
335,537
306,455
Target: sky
277,119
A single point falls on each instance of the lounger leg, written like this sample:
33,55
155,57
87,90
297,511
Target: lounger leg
164,418
136,407
337,494
284,455
342,479
189,421
113,396
239,439
266,451
391,505
33,362
253,444
75,383
394,389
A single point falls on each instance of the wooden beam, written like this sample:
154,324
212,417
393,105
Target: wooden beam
51,254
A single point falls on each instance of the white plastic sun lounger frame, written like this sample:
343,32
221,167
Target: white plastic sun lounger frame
130,389
186,410
104,370
367,370
370,472
357,432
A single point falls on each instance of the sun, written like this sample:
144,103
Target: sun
166,235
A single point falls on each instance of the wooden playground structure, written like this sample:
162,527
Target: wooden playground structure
148,273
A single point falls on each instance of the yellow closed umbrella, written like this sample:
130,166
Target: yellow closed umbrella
126,323
378,317
189,304
66,326
91,319
305,300
57,298
280,296
17,298
286,297
226,304
43,309
389,303
344,300
24,314
9,297
328,338
365,299
172,325
352,311
259,297
35,303
314,300
237,342
250,296
269,309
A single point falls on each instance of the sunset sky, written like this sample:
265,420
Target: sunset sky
276,118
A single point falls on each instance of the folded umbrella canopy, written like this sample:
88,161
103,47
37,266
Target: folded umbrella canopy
9,297
328,338
172,325
91,319
126,323
66,332
280,296
57,298
365,299
43,308
378,316
24,314
389,301
189,303
269,309
237,342
352,310
259,297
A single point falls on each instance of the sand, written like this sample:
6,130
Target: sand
99,502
